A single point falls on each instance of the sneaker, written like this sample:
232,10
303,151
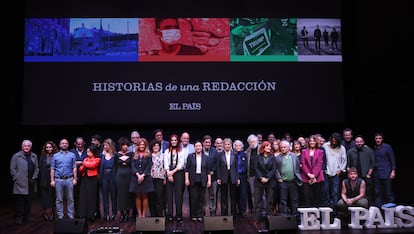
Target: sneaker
388,205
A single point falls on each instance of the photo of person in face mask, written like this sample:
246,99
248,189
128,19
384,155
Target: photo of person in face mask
166,37
184,39
168,30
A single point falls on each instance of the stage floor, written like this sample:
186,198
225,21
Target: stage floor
241,225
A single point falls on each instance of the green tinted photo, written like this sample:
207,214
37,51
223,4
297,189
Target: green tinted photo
263,39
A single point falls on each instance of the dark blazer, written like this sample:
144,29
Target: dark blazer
367,159
242,163
267,170
114,167
79,157
223,172
251,160
296,167
44,172
164,145
191,169
212,161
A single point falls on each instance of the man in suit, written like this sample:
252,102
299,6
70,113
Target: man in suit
80,152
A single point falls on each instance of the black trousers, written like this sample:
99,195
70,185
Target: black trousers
23,205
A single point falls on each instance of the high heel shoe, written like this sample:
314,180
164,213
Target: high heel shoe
112,217
51,217
45,217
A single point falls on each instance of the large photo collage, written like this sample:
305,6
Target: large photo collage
182,40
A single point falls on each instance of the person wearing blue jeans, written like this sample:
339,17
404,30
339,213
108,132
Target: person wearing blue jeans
384,171
63,176
336,162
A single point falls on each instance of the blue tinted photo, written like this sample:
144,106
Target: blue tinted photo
81,40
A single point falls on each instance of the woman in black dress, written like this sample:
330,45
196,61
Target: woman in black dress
123,179
47,192
141,181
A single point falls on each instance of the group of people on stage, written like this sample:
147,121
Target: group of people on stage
136,178
318,35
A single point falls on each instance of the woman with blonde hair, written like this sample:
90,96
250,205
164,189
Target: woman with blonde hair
141,182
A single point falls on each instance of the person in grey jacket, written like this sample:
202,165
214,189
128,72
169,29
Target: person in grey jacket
24,169
362,157
288,174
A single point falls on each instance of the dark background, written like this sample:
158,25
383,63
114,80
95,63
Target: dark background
376,71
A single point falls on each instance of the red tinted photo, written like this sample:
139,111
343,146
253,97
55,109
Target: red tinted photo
184,39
